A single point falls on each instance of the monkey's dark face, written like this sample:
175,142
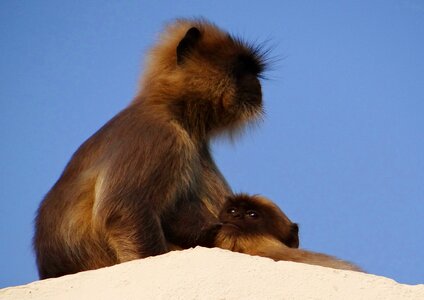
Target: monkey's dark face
242,219
221,77
244,215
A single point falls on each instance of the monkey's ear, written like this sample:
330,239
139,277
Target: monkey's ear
187,43
294,232
293,240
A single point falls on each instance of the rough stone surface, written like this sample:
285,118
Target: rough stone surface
202,273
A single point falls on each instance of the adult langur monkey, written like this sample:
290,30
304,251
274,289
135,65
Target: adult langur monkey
146,182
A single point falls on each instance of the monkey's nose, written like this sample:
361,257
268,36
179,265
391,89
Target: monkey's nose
236,215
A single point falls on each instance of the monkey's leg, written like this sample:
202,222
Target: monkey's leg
133,238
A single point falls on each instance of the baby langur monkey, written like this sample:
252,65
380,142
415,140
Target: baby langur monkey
255,225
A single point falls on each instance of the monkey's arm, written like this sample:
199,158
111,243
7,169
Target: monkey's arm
215,187
191,224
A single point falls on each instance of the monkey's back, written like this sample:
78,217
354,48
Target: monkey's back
66,240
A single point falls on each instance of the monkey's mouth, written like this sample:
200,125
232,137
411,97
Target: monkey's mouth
250,100
231,226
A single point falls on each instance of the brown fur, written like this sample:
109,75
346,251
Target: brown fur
270,233
146,182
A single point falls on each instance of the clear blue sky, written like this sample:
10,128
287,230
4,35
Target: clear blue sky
341,149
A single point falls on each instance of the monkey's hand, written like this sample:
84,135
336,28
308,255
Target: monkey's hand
208,234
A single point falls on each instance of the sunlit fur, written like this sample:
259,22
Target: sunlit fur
269,234
146,182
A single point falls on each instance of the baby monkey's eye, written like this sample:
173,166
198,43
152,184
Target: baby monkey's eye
232,210
252,214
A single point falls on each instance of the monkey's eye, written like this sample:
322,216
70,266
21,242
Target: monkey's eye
252,214
232,210
246,65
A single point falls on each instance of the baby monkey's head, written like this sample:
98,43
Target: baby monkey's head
208,78
245,215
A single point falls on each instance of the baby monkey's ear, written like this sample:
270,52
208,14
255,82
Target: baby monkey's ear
293,240
295,235
187,43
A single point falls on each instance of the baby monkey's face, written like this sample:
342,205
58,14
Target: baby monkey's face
242,217
245,215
